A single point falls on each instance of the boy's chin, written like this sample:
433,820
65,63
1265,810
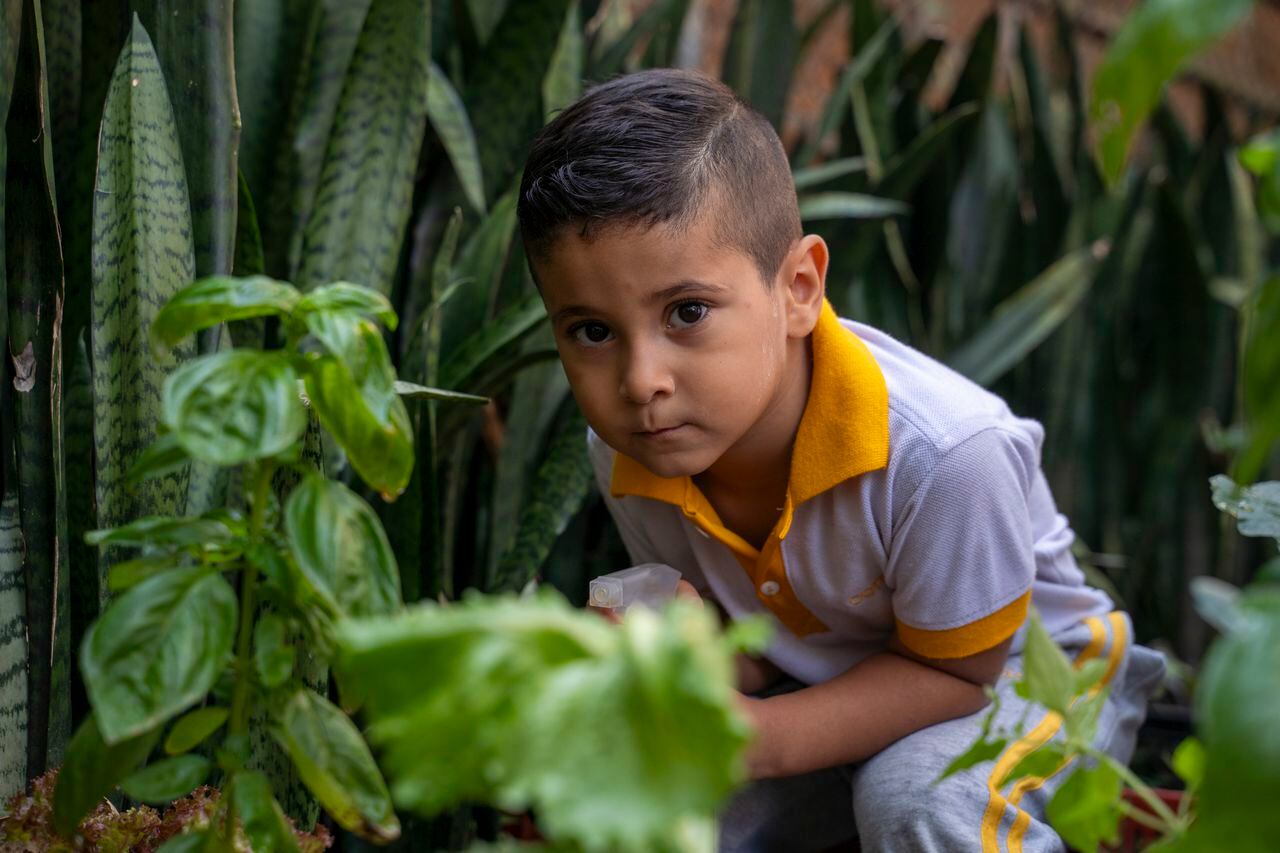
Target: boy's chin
673,464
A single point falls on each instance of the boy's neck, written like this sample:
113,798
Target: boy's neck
760,463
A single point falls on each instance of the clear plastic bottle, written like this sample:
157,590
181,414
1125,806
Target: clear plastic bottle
650,584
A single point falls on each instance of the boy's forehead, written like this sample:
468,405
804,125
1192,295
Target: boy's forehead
637,258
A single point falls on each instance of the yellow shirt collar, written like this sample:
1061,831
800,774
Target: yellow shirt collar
843,432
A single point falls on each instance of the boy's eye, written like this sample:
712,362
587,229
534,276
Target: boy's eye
590,334
689,313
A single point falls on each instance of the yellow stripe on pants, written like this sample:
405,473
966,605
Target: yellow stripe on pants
1040,735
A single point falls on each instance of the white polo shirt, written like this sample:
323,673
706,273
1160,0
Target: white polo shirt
915,505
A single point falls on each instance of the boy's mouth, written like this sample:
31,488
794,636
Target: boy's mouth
661,432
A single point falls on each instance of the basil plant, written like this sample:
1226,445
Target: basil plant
183,657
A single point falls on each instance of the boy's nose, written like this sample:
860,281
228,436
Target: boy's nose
644,377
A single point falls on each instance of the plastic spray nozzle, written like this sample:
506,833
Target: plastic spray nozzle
649,584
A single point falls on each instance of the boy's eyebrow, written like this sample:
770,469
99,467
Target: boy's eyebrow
680,287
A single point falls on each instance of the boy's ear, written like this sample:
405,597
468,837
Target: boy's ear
803,277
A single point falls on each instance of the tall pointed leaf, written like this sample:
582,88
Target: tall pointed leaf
193,42
33,268
503,96
13,653
449,118
1027,318
366,184
328,44
761,55
563,83
142,255
562,484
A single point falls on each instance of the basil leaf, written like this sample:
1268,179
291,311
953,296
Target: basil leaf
158,649
260,815
167,779
336,766
193,727
353,393
218,299
235,406
341,549
91,769
344,296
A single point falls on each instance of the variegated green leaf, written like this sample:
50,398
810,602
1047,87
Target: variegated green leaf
13,652
504,93
471,356
329,43
563,83
33,266
142,256
562,484
835,205
366,184
449,118
192,39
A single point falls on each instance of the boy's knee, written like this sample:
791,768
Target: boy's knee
898,808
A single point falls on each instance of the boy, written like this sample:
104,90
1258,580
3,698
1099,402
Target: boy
890,515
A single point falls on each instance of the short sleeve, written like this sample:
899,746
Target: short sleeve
962,556
638,546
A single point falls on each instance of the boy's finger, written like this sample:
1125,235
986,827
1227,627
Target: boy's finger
608,613
684,589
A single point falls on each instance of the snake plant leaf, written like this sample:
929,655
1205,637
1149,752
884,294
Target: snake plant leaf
1024,320
329,40
218,299
13,651
363,199
1261,379
92,768
344,296
336,765
761,54
235,406
838,205
613,58
341,549
812,176
485,15
157,650
272,40
167,779
559,490
34,294
260,815
905,170
142,256
837,105
449,118
193,43
1152,45
352,391
504,92
508,327
479,267
563,83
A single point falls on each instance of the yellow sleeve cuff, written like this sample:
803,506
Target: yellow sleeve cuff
986,633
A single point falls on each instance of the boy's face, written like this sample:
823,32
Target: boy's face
676,351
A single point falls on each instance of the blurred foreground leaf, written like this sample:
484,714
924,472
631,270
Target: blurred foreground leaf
619,737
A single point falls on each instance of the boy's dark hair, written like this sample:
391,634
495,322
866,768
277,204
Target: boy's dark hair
661,147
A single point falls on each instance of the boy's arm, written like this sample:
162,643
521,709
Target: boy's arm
855,715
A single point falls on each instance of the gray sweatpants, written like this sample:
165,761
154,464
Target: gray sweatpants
890,803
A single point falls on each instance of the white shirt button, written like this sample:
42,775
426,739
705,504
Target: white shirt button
769,588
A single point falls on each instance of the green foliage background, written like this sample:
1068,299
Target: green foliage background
378,141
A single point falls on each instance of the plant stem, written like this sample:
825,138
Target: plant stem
239,722
1173,823
1138,816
